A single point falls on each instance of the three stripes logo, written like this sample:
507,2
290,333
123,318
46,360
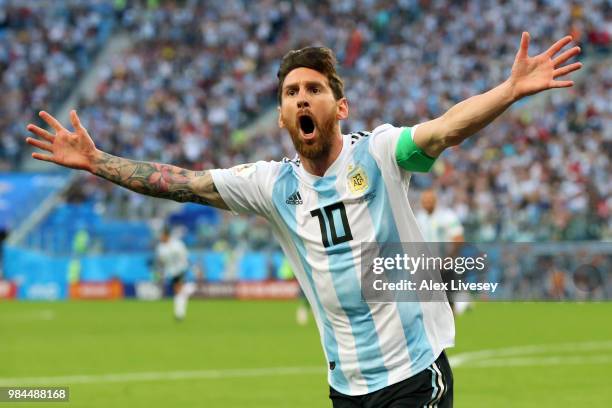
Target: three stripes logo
356,136
294,199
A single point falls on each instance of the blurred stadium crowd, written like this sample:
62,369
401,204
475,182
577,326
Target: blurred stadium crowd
200,73
42,51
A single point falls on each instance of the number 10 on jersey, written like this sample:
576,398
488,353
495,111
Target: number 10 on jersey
328,218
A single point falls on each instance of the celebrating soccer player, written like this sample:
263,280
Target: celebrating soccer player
340,191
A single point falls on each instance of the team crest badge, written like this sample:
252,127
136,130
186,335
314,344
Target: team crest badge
357,179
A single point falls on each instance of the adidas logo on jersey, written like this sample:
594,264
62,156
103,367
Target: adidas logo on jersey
294,199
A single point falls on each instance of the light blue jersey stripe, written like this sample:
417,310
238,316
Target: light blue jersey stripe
285,185
348,291
410,313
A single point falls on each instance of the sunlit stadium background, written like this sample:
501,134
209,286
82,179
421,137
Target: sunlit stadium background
193,83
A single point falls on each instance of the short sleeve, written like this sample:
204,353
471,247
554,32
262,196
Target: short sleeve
394,146
383,143
247,188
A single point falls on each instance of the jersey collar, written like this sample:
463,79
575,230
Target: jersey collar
331,171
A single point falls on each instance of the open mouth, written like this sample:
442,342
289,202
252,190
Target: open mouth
306,124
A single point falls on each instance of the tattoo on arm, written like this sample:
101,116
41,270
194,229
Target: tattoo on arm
160,180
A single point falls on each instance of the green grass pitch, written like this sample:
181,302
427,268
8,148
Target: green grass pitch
252,354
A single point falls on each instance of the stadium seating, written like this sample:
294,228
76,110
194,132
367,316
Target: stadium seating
56,234
22,193
188,109
43,52
198,74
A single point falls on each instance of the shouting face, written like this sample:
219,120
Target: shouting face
310,113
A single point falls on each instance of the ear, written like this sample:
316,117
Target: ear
343,109
281,124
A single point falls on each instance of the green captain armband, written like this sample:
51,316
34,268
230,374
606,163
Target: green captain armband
411,157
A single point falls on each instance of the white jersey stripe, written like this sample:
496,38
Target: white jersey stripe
284,184
346,284
324,285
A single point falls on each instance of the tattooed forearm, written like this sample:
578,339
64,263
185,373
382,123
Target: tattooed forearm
159,180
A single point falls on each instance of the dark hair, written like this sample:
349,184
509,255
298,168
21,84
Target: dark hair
321,59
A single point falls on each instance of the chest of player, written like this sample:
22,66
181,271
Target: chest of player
335,213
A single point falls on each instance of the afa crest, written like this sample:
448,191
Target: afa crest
357,179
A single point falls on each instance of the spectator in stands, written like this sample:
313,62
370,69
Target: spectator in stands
177,93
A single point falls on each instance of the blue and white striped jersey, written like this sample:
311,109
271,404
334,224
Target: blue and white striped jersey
320,223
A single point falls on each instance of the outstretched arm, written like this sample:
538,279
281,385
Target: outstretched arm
78,151
529,75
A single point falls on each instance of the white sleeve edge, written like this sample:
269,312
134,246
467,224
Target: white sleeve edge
217,180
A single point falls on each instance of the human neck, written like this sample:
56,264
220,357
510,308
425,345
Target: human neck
319,166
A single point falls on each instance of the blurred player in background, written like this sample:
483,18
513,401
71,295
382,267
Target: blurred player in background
438,224
441,224
172,260
340,191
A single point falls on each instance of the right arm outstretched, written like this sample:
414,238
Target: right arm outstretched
78,151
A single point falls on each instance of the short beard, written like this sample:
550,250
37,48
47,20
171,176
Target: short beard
322,146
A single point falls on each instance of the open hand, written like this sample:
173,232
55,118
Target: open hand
70,149
534,74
